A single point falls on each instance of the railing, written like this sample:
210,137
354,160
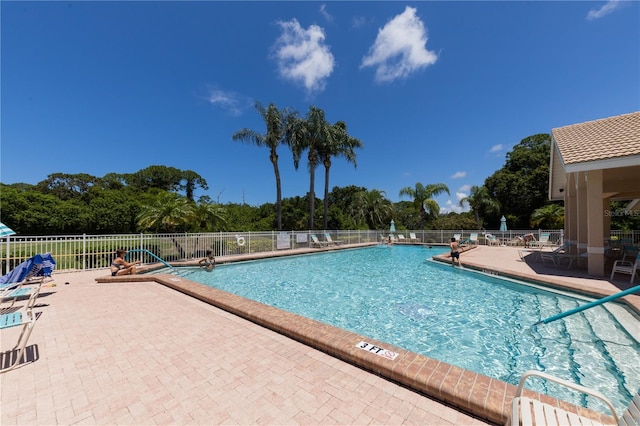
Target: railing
86,252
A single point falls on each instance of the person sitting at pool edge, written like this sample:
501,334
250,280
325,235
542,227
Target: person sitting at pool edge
208,262
119,266
455,251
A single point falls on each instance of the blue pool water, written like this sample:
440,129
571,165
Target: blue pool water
475,321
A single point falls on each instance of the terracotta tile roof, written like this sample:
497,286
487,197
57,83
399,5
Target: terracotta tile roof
608,138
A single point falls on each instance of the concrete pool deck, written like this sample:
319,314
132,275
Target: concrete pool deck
142,353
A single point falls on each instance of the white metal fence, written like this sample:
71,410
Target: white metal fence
84,252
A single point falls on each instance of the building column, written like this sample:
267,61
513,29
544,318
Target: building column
570,209
581,212
595,222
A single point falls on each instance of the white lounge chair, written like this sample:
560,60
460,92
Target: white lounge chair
315,242
542,242
412,237
528,411
401,238
492,240
329,240
626,267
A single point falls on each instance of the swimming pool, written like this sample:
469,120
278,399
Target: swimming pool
477,322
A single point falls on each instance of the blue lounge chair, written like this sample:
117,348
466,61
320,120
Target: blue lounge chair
22,318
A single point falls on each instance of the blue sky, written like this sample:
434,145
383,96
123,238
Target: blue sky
436,91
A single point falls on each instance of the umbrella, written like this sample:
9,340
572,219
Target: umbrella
393,226
5,231
503,224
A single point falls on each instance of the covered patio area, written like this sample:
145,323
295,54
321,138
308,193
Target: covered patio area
593,164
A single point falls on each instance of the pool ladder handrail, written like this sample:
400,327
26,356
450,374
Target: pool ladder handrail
155,257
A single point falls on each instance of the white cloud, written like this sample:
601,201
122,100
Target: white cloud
459,175
358,21
606,9
231,102
400,48
496,148
465,188
460,196
450,207
323,12
302,55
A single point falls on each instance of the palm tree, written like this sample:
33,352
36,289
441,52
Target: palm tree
276,122
423,198
478,199
310,134
209,216
372,208
341,144
549,216
166,212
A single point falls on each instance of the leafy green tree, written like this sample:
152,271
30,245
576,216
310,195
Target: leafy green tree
423,199
522,184
112,211
339,144
373,209
310,134
454,220
477,199
190,181
550,216
67,186
155,177
166,212
276,122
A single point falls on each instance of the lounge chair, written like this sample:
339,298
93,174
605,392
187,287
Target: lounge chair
315,242
542,242
329,240
36,268
401,238
492,240
412,237
626,267
457,237
560,253
529,411
473,239
22,318
9,297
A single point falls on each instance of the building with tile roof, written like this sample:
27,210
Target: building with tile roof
592,164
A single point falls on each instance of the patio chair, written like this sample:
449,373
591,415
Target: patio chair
457,237
560,253
38,267
315,242
542,242
492,240
329,240
412,237
530,411
626,267
10,296
22,318
472,240
401,238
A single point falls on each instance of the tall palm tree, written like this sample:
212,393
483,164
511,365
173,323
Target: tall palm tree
276,122
309,134
340,144
479,198
372,208
423,198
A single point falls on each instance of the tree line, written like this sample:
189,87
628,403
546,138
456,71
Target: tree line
161,199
